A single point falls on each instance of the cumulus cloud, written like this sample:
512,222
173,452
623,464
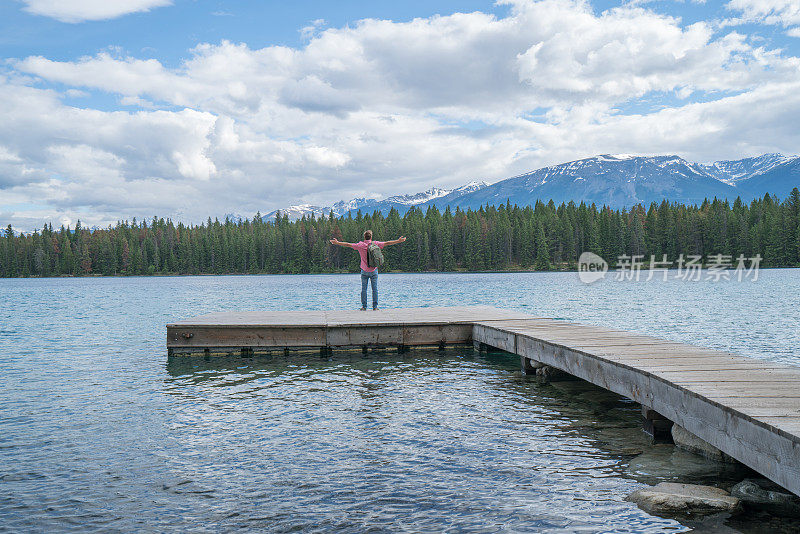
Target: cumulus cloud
551,52
82,10
380,107
778,12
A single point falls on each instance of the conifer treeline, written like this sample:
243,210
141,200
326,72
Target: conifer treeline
541,237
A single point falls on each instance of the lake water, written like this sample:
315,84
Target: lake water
99,432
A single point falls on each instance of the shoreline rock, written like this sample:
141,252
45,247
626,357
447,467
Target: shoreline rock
669,498
765,495
687,441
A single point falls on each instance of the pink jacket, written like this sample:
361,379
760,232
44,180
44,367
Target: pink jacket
362,247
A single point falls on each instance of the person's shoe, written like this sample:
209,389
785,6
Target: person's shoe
374,308
363,309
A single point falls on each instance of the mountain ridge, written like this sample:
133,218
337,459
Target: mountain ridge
398,201
613,180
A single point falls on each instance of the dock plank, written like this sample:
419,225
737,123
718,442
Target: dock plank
728,400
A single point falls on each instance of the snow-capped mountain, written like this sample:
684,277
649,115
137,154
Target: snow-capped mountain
614,180
469,188
400,202
298,211
625,180
778,180
734,171
419,198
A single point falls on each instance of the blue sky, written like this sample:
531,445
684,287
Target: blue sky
196,108
168,32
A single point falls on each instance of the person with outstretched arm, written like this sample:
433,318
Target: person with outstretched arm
368,274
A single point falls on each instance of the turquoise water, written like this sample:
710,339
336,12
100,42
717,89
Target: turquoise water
98,432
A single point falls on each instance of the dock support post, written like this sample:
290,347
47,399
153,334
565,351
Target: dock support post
207,353
529,367
325,352
658,427
246,352
545,372
170,352
441,346
402,349
364,349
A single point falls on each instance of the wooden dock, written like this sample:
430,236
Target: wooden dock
747,408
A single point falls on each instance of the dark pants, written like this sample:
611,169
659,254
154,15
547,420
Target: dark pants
365,279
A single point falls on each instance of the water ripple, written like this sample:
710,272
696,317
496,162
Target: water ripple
99,433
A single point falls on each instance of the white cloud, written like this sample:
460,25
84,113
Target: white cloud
380,108
82,10
326,157
551,52
76,93
778,12
312,30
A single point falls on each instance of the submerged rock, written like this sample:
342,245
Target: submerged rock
663,462
529,365
763,494
687,441
551,373
628,441
669,498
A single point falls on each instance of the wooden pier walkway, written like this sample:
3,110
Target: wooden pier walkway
747,408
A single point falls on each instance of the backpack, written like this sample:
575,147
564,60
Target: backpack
374,256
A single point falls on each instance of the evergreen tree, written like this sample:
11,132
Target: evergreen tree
542,236
542,250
